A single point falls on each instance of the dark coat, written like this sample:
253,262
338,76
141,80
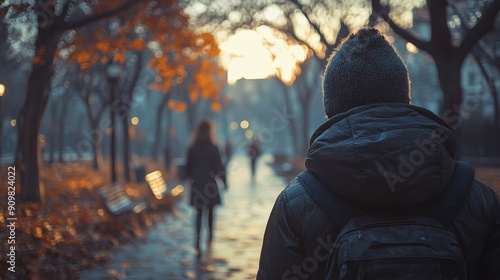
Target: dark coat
382,156
203,166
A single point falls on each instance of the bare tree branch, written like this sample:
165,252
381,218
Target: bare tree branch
314,25
440,32
343,32
98,16
65,9
384,14
289,29
483,26
491,86
482,51
477,53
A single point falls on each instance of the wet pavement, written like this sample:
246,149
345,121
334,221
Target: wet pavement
167,251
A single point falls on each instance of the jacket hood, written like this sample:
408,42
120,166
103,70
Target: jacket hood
388,155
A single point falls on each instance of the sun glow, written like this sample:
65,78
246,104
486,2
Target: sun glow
251,54
245,56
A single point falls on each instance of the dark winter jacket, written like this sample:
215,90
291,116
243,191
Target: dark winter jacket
203,166
379,157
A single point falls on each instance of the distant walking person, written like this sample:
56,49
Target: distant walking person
228,151
254,152
203,166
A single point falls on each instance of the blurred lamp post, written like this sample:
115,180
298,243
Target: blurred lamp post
113,72
2,91
133,132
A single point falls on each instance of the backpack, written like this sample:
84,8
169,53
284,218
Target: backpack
395,246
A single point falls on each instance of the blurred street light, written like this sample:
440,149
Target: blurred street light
248,134
134,121
13,122
244,124
233,125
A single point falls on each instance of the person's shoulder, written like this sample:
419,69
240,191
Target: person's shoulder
486,194
294,190
295,196
483,203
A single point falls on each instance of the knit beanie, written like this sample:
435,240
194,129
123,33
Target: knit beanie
364,69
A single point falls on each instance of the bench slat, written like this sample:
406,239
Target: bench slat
118,201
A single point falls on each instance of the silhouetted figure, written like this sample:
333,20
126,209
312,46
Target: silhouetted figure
254,152
228,150
203,166
377,168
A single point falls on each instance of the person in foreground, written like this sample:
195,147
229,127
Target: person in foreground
379,156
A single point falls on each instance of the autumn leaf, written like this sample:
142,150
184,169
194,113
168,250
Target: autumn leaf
193,96
119,58
102,47
215,106
138,44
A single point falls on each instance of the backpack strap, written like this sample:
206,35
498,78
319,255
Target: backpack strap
443,210
336,209
455,194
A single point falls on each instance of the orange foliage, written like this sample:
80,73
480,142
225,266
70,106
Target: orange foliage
178,106
216,106
193,96
174,49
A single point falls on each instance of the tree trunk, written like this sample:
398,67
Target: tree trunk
96,146
305,123
125,101
112,139
449,80
293,125
52,133
168,145
62,125
159,113
126,145
491,86
31,113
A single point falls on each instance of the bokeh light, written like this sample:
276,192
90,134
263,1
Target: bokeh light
233,125
248,134
13,122
411,48
244,124
135,120
177,190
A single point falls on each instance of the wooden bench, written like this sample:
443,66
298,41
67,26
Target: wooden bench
157,184
118,201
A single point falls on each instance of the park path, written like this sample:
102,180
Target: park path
167,253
